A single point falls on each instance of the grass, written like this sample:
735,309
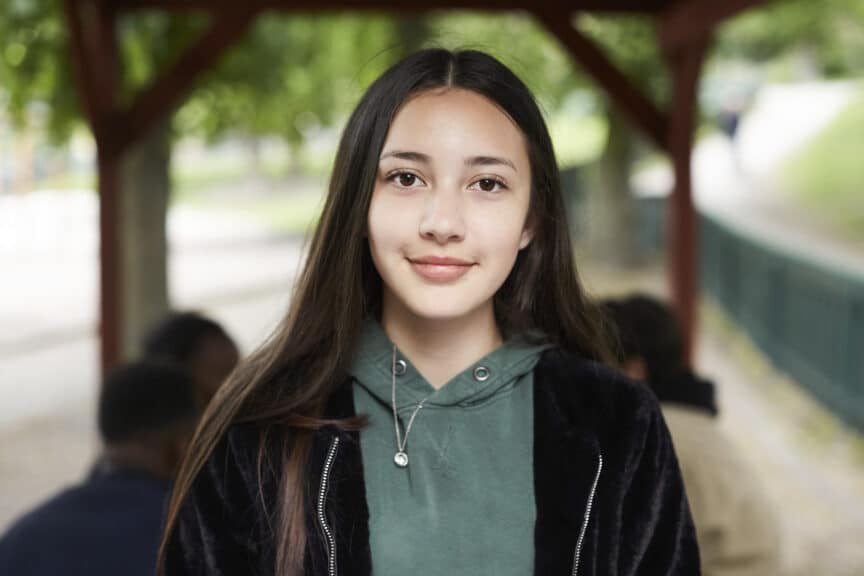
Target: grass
223,189
826,175
283,213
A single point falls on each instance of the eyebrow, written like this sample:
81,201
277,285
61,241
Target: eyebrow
473,161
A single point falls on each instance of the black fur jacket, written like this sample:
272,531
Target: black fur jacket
609,494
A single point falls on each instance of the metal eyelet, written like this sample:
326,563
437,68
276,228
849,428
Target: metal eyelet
481,373
400,368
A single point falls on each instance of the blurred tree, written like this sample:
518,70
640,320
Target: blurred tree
631,44
31,69
288,75
829,34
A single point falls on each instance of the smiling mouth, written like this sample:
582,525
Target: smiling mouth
440,270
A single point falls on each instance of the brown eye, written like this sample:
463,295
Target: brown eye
490,185
406,179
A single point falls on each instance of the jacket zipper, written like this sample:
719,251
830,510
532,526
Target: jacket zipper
590,504
322,501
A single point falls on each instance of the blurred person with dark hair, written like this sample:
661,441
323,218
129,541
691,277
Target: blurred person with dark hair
198,344
111,523
736,528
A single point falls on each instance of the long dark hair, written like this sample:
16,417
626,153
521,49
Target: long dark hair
288,379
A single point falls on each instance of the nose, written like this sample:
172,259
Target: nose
443,220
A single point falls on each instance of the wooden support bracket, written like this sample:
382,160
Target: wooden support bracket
168,90
623,92
685,63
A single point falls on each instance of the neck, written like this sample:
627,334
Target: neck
441,348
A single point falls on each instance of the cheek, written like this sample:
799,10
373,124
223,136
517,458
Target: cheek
502,231
385,226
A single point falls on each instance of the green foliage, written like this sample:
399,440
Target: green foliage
290,74
31,66
517,40
539,59
826,172
149,41
830,33
631,43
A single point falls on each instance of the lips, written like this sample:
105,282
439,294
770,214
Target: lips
440,269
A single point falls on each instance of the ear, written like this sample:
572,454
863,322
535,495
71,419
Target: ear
527,237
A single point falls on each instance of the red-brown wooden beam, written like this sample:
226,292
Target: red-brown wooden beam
682,224
174,84
620,6
93,53
689,21
95,61
638,108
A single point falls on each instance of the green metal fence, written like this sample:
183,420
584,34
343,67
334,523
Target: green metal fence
807,317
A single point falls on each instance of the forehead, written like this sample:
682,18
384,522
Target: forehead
457,120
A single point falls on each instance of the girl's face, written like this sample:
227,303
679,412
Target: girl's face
449,210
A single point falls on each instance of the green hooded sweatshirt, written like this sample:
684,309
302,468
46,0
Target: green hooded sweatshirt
465,502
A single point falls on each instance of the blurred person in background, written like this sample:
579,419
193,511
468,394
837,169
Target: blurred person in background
736,528
198,344
111,523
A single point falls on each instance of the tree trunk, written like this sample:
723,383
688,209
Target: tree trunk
146,185
611,216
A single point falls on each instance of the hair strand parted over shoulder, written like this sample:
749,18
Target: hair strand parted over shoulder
286,382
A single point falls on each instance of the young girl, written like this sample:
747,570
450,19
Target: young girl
434,402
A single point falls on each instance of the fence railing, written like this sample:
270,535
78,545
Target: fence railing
807,317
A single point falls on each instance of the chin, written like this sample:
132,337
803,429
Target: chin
441,313
443,307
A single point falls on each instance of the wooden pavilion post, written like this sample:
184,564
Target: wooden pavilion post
96,64
684,32
682,231
672,131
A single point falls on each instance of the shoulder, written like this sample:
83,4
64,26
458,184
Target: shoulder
54,512
58,524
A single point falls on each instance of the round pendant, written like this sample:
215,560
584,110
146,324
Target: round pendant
401,459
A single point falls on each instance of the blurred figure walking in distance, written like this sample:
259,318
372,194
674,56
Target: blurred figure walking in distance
111,523
737,531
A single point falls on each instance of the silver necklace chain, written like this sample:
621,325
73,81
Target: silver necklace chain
401,456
